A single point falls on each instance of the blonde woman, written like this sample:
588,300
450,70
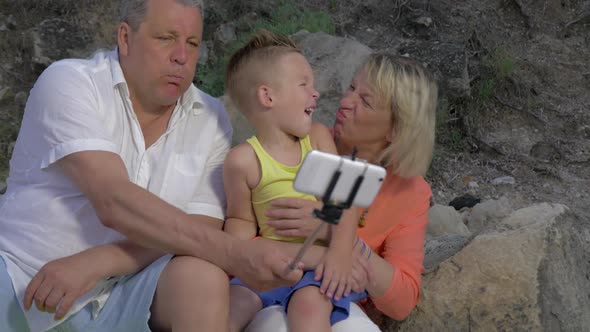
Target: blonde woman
388,113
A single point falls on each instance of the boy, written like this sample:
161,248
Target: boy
272,84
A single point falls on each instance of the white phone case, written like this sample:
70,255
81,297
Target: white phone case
317,170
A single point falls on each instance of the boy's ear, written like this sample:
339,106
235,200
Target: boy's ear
264,95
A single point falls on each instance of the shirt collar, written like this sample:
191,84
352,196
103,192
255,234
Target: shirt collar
191,100
116,71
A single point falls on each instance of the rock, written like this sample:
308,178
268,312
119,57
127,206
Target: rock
225,33
486,214
529,273
466,200
445,220
438,249
423,20
503,180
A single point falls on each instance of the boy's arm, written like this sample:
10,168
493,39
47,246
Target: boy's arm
337,263
239,174
344,232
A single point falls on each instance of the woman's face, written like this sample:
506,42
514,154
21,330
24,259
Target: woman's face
362,120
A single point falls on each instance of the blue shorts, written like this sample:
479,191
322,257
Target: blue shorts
282,295
127,308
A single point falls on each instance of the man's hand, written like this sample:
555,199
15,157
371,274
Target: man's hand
60,283
259,265
293,217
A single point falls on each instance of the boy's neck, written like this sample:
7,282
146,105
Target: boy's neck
283,147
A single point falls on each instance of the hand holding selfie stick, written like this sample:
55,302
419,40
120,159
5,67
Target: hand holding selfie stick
330,212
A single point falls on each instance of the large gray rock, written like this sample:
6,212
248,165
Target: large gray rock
529,273
445,220
487,213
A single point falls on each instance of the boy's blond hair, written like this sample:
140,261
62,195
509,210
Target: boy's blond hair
253,64
410,92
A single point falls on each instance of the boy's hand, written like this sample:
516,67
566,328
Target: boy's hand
336,271
60,283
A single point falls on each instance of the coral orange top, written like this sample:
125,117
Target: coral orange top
395,229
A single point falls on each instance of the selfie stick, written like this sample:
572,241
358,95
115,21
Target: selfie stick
331,211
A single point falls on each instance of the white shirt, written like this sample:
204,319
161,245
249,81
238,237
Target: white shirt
79,105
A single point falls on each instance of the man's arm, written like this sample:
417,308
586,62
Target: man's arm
140,215
151,222
127,257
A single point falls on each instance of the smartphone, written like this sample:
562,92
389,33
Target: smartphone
317,171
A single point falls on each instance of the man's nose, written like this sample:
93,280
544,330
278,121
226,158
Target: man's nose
179,54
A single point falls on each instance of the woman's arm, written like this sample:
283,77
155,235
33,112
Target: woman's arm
395,288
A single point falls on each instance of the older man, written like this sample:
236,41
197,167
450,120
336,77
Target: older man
118,162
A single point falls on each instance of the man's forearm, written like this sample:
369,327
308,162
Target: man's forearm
152,223
120,258
310,260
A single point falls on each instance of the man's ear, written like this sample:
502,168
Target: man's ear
123,38
264,95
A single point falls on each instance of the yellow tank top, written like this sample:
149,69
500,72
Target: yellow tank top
276,181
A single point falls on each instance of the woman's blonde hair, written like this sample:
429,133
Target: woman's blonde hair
410,93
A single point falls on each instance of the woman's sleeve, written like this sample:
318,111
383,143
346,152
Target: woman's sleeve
404,250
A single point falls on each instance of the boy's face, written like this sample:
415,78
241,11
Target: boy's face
295,94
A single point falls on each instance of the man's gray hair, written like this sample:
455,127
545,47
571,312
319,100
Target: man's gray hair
133,12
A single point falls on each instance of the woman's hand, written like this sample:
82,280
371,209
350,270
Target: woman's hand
362,273
60,283
293,217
